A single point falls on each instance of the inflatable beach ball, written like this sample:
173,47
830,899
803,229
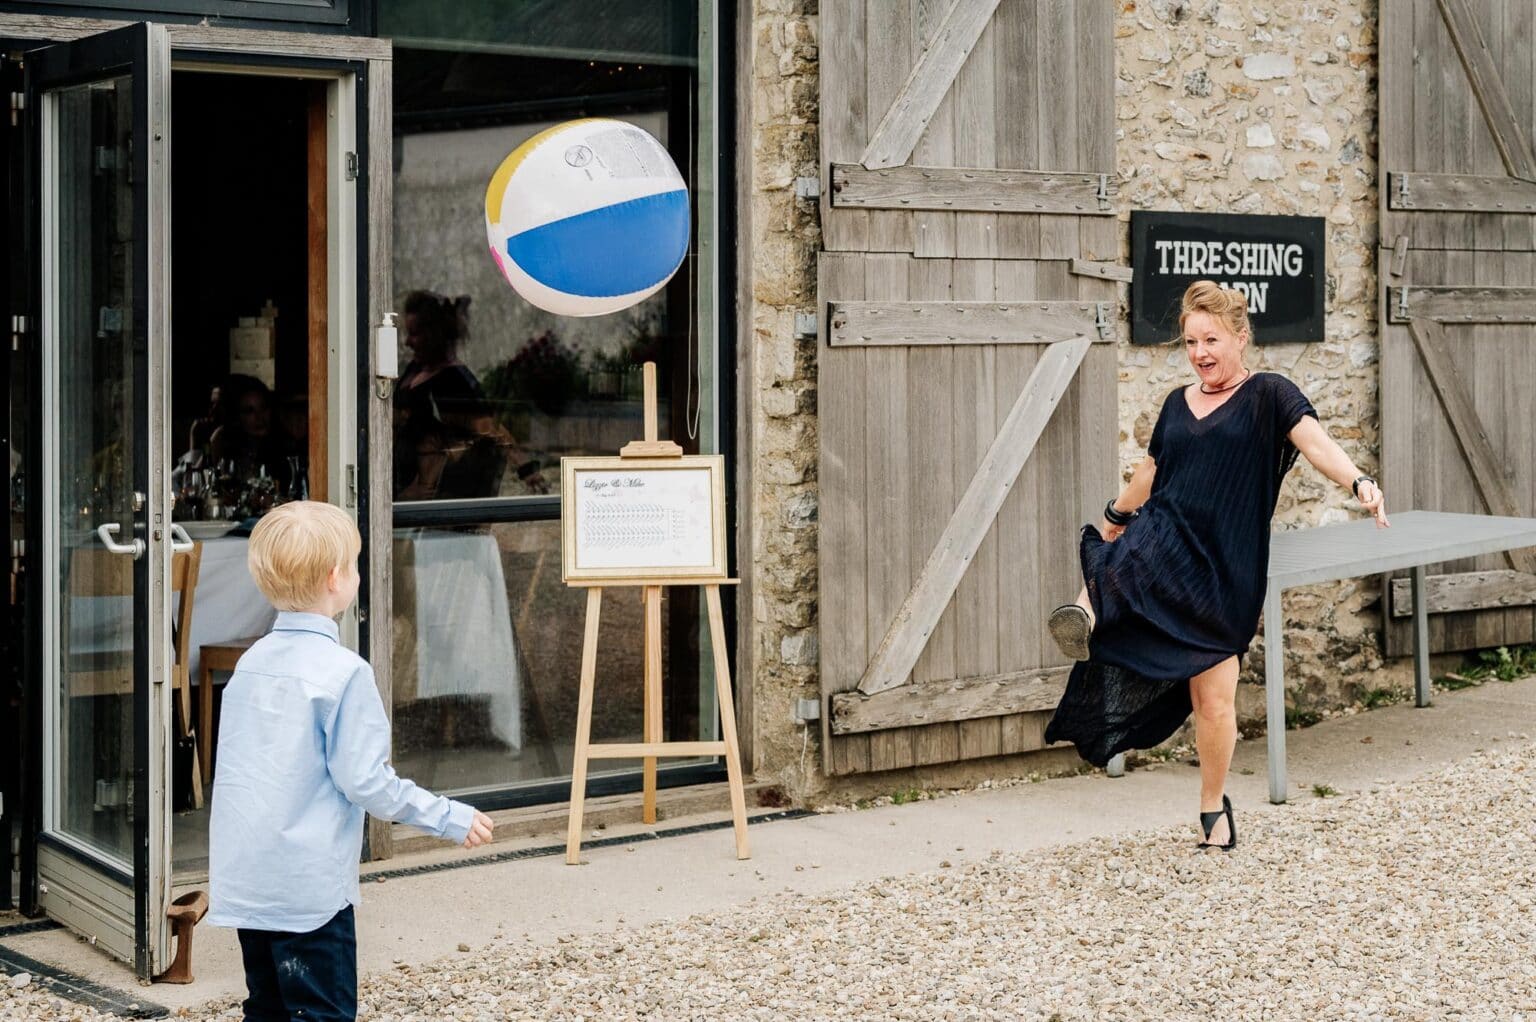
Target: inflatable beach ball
588,217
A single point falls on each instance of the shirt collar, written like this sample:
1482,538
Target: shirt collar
295,621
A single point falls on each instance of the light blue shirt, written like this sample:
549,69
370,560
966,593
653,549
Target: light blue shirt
303,752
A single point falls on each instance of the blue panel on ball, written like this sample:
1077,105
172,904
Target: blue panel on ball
616,250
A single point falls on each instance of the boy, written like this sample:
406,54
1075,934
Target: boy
303,751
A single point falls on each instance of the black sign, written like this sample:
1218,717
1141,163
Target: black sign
1277,261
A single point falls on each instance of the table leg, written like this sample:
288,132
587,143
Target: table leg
1274,692
1421,683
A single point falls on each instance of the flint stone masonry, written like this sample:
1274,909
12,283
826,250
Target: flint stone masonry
1230,107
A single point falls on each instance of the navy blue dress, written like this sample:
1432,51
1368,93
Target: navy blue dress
1182,589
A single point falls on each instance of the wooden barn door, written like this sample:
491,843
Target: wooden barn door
1458,299
968,422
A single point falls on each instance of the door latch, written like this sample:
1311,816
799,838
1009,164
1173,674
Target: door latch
351,166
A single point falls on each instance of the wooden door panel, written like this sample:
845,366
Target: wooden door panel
955,189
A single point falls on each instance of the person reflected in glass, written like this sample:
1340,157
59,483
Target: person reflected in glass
248,437
448,444
199,436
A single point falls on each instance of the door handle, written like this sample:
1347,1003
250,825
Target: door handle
106,534
185,543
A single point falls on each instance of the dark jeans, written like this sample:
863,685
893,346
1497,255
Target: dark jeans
310,976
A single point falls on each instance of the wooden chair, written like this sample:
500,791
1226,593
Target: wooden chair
218,656
94,572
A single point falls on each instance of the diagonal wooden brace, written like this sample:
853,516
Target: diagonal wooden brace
920,612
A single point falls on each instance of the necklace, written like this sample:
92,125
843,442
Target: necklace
1222,390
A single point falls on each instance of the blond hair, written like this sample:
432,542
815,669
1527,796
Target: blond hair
295,546
1225,303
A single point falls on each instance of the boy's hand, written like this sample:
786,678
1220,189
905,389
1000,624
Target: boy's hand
479,831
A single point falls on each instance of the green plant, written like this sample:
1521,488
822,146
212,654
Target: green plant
1380,697
1296,717
901,798
1503,664
1324,790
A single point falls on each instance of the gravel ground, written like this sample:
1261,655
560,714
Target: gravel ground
1409,902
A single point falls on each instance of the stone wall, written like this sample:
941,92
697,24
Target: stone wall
1270,108
1248,107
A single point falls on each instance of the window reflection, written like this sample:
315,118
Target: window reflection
449,443
488,643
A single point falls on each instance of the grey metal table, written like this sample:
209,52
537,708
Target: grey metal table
1332,552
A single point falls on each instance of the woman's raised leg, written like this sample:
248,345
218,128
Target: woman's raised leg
1213,694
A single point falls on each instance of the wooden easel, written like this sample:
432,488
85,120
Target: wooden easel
653,746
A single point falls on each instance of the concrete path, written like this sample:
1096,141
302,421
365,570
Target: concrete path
420,918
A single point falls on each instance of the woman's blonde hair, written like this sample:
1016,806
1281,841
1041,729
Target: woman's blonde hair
1225,303
295,546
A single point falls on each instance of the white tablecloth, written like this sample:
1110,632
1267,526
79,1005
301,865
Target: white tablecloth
464,640
227,606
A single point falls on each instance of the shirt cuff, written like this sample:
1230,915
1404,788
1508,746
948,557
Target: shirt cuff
460,818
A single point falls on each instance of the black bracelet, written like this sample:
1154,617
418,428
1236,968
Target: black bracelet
1355,486
1115,516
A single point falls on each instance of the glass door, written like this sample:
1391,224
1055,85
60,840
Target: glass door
99,116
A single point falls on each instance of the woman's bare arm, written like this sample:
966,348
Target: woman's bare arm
1132,496
1313,441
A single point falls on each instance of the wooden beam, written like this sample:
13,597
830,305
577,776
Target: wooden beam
1468,590
1459,193
319,302
54,28
872,324
919,613
1103,271
637,750
1487,470
1400,256
938,702
377,500
894,138
1465,304
972,189
1487,85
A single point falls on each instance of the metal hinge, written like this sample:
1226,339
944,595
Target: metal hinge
18,104
1402,304
351,486
807,710
807,187
1402,191
351,166
18,331
1101,320
1103,193
805,325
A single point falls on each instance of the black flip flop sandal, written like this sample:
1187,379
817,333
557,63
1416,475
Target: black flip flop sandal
1070,627
1208,823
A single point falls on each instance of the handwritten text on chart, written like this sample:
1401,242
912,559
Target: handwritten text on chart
652,520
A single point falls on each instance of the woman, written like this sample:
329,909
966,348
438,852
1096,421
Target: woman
447,443
1175,573
248,437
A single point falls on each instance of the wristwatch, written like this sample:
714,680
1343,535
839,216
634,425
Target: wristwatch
1355,486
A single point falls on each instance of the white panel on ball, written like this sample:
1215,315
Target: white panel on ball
588,217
